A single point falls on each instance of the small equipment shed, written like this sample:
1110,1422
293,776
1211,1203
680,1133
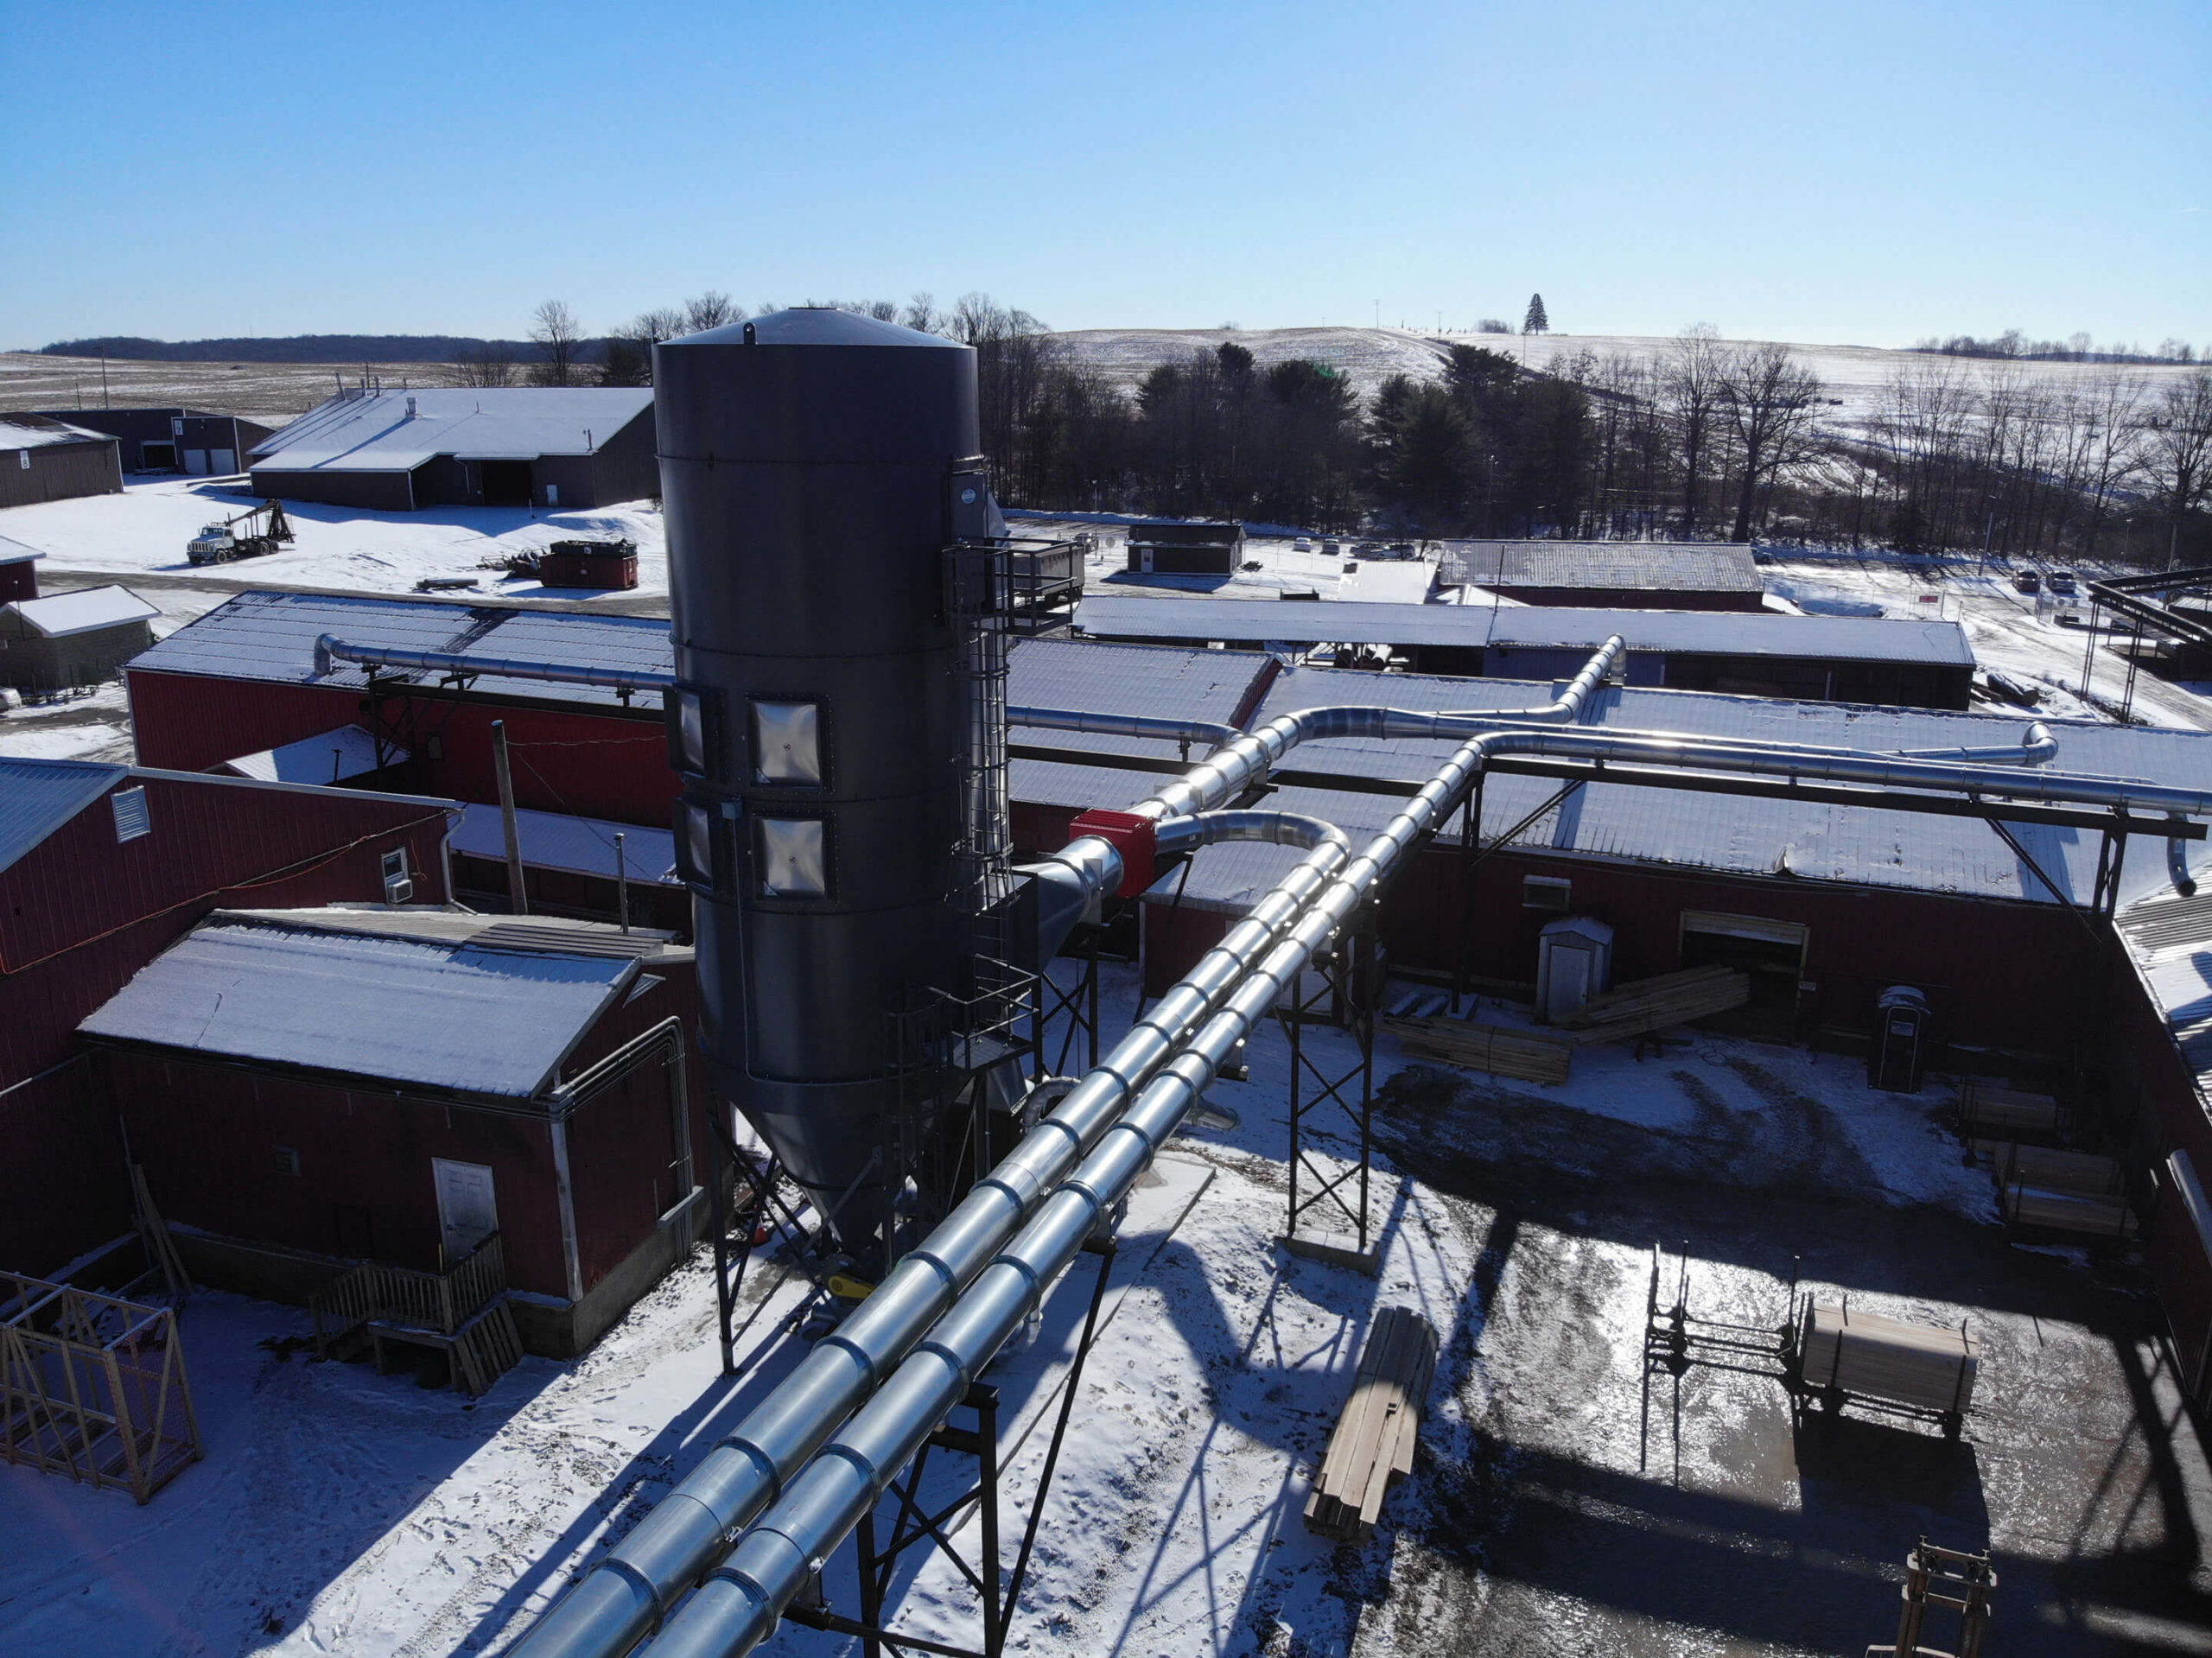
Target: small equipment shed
72,638
1186,546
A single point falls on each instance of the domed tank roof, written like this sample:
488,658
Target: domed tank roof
813,325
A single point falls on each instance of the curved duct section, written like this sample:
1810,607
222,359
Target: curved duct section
2177,864
627,1594
2037,747
1125,725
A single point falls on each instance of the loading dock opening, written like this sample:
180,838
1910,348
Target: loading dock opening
1772,952
505,482
157,457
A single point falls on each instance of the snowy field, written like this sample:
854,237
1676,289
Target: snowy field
1854,378
144,531
271,393
339,1512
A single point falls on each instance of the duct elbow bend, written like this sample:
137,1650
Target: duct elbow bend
2038,746
1274,829
2177,865
324,644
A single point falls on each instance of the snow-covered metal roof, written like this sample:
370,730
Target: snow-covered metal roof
1385,581
38,796
270,637
85,611
1145,679
1736,835
38,432
1683,632
2170,938
398,431
461,1017
1678,566
582,845
330,757
14,552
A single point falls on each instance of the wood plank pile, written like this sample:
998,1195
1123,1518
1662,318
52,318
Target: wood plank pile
1655,1004
1863,1353
2101,1215
2087,1174
1373,1445
1501,1050
1985,1106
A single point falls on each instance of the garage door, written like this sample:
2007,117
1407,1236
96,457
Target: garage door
223,462
195,463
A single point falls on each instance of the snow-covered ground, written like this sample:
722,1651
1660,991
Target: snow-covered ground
144,531
341,1512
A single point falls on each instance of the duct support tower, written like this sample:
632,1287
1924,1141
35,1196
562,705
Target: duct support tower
815,467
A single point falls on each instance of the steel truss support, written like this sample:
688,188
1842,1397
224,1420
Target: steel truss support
1344,991
912,1524
1064,1022
746,1203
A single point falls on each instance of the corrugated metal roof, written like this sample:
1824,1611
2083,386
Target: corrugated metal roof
39,432
270,637
1730,833
1704,567
379,433
1385,581
1688,632
14,552
451,1016
38,796
2170,937
330,757
556,840
85,611
1144,679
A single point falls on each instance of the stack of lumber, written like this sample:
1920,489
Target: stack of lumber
1373,1445
1655,1004
1502,1050
2101,1214
2087,1174
1863,1353
1985,1105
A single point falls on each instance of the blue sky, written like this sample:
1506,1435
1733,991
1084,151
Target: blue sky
1869,173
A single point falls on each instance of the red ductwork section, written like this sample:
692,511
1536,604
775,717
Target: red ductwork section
1130,834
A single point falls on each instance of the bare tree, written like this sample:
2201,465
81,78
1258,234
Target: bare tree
556,331
922,313
1767,398
1690,384
2176,451
712,309
486,364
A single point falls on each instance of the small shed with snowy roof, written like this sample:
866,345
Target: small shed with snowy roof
554,447
67,639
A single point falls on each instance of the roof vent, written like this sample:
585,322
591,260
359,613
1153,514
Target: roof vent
411,408
131,817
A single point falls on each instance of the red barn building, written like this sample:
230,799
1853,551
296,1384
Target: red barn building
308,1087
101,866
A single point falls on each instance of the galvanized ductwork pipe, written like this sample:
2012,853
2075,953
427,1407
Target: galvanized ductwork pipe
330,650
739,1605
626,1595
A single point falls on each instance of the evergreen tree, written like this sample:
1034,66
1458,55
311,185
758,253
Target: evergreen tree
1536,321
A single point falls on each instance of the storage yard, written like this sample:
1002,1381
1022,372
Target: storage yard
1551,1507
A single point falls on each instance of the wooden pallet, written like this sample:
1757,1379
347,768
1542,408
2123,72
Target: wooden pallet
1653,1004
1501,1050
486,1348
1373,1445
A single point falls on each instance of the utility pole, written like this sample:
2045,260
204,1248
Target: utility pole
518,898
104,402
621,882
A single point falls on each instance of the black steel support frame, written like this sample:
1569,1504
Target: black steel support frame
1070,1015
910,1524
760,1204
1343,983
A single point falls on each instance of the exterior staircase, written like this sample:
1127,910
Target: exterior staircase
462,1311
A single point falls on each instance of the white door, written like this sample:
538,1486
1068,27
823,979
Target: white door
195,463
552,495
1570,979
223,462
467,1210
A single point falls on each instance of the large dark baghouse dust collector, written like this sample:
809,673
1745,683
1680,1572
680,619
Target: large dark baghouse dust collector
815,467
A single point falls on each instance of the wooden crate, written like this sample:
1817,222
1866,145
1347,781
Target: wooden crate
1500,1049
1373,1445
1919,1366
1653,1004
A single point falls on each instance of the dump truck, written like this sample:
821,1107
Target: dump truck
248,535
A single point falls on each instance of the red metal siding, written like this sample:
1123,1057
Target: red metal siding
1634,598
63,1190
18,580
189,722
208,1135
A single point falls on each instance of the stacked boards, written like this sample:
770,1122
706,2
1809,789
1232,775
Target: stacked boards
1373,1445
1917,1366
1986,1108
1544,1056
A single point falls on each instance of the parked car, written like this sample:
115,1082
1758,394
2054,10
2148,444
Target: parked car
2061,583
2027,581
